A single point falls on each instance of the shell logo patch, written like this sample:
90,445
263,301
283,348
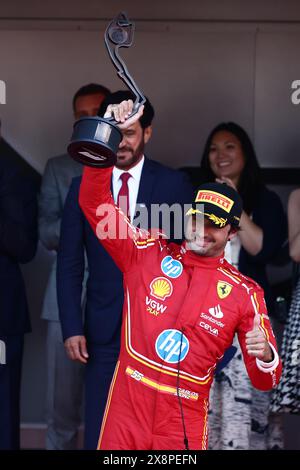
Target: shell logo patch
161,288
223,289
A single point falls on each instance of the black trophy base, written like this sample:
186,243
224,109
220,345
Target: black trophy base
95,142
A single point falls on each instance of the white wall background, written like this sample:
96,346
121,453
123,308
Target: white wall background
197,73
199,61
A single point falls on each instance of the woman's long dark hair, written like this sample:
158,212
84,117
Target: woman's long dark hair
251,181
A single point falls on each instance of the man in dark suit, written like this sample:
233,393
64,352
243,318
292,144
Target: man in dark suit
18,242
97,342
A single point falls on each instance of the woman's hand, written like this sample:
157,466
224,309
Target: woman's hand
121,112
228,181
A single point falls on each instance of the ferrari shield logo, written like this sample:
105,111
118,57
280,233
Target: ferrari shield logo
223,289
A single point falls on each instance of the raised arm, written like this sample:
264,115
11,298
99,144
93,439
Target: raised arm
124,242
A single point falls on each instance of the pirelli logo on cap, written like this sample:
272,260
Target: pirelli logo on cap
217,199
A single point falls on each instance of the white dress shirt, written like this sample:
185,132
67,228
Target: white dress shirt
133,184
232,251
233,248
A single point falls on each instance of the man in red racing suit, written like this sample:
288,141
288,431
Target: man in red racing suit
180,314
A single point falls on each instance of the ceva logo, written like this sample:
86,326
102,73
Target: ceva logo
2,92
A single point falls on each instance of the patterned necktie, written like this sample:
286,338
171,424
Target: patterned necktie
123,196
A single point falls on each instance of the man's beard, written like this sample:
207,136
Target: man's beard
133,159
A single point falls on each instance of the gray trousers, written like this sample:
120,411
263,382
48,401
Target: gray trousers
64,393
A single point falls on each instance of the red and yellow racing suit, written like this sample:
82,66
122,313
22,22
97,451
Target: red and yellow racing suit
180,314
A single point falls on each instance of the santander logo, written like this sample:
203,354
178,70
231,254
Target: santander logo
216,312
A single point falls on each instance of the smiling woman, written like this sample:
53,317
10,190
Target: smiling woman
226,156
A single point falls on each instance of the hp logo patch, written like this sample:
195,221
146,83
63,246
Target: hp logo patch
167,346
171,267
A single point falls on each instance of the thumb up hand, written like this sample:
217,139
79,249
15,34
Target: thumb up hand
256,342
256,323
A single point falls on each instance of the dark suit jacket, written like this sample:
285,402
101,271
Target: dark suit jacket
18,242
158,184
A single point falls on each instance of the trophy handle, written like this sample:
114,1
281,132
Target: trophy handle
95,140
119,33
